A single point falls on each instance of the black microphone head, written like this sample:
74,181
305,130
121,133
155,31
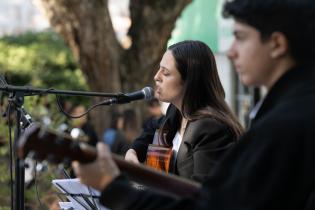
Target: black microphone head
148,93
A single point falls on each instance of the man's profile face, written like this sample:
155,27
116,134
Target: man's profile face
251,56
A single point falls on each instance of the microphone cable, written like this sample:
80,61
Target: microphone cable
80,115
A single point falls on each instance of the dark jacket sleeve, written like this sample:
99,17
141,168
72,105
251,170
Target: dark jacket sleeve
140,144
120,195
205,142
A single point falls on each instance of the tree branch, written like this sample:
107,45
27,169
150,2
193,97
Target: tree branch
87,28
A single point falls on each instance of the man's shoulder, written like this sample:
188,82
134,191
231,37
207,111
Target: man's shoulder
293,115
301,104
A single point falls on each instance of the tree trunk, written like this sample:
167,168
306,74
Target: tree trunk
86,27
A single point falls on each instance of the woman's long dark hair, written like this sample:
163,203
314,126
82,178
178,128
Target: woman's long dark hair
203,92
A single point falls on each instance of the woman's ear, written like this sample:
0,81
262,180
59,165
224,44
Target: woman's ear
279,44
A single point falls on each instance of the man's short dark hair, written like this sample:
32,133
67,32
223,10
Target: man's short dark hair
293,18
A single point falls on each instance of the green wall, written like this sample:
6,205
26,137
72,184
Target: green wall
199,22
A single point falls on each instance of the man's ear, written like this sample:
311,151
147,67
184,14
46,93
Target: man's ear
279,44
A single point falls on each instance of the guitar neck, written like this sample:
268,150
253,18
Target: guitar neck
147,176
58,148
157,179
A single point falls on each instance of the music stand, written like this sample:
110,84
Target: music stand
81,196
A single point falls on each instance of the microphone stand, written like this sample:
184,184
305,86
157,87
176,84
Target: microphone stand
16,95
30,91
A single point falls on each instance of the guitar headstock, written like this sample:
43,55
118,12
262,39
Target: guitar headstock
55,147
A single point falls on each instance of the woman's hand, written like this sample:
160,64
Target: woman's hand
131,155
99,173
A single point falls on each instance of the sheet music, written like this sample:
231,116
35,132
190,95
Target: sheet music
66,205
78,194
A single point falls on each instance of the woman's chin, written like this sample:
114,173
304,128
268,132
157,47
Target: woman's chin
157,95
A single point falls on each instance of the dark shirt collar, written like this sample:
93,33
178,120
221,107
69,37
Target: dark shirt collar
288,84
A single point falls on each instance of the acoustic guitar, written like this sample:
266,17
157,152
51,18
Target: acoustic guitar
159,157
60,148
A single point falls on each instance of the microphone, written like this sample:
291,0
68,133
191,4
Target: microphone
146,93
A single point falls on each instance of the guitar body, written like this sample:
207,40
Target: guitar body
159,157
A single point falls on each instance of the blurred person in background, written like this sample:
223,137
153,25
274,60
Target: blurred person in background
130,125
114,136
82,126
154,111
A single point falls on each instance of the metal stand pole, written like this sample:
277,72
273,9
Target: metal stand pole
18,100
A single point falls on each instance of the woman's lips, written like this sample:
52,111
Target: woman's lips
157,89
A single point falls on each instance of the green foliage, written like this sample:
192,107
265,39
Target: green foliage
41,60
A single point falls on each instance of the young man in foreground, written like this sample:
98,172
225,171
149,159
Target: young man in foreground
273,164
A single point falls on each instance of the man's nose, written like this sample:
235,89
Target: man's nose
231,53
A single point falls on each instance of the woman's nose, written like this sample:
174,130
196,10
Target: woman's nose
157,76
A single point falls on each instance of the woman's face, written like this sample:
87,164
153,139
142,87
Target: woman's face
169,85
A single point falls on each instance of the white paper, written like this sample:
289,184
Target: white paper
66,205
74,187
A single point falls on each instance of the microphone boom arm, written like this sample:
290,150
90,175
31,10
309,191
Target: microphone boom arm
30,91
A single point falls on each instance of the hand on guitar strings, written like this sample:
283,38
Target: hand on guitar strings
131,156
99,173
